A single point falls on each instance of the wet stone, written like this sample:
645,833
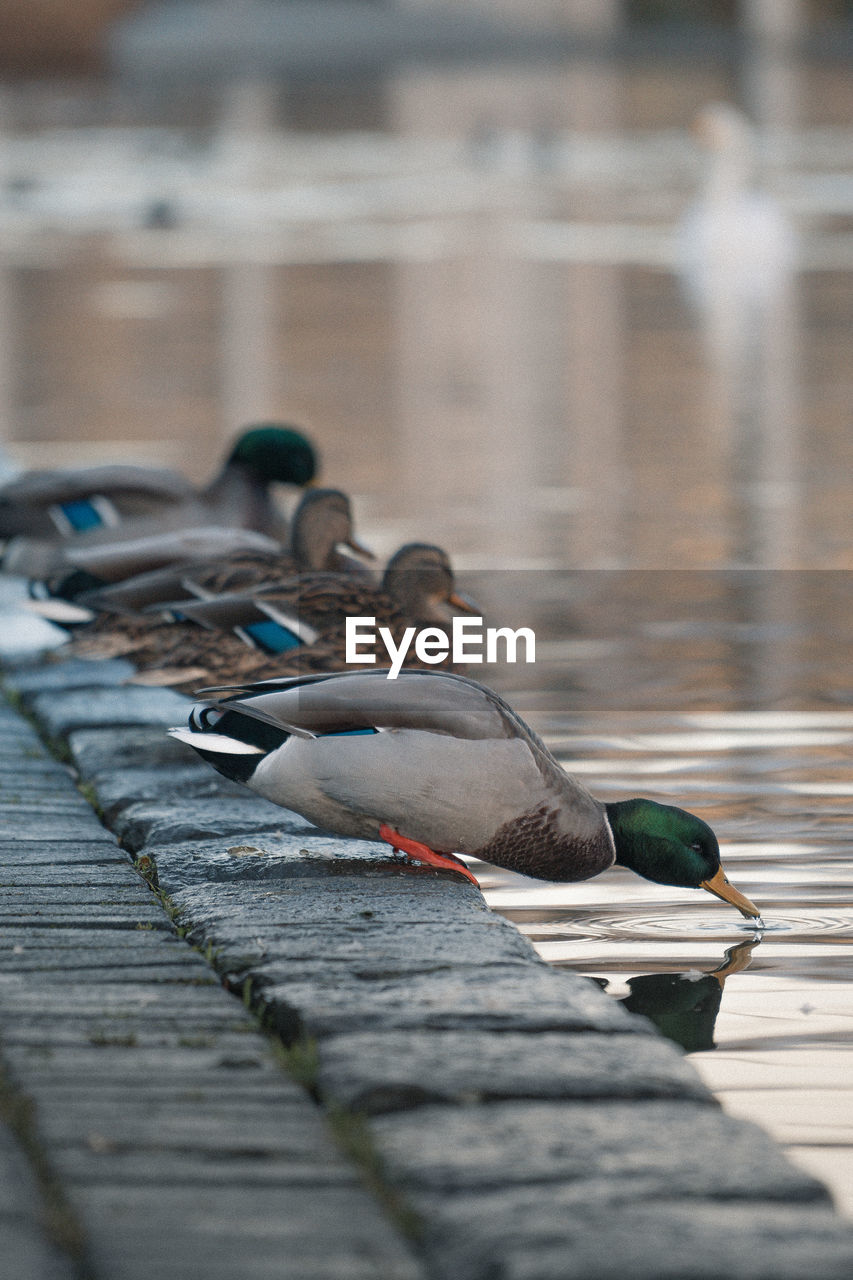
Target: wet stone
18,1191
365,945
36,787
49,917
519,997
607,1151
29,825
44,952
284,1128
115,1051
69,876
129,747
29,1255
292,848
98,1049
63,940
93,896
526,1234
62,712
307,1233
139,1167
196,819
171,971
394,1071
166,785
321,889
100,851
68,673
143,1000
27,809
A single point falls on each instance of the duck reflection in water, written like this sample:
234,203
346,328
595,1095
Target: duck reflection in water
684,1006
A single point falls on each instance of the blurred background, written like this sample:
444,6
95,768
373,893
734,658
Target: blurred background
476,252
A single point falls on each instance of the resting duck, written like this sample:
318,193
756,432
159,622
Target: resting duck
42,508
299,626
418,586
436,764
322,524
73,571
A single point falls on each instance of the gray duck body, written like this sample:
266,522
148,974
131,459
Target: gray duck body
451,766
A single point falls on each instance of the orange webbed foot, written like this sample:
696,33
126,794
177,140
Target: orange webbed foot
423,853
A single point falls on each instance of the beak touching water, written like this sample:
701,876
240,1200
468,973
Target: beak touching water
720,887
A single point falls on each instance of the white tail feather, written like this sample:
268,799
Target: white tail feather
216,742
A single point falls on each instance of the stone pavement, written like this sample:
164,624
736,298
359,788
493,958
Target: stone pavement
286,1054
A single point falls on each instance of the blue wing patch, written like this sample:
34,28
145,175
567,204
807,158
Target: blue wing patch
348,733
81,514
272,636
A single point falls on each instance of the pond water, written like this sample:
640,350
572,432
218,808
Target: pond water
750,725
474,304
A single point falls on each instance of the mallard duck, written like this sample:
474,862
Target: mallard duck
322,524
299,626
41,509
418,586
436,764
197,658
73,571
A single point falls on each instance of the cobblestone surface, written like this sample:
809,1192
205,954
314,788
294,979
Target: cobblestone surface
537,1130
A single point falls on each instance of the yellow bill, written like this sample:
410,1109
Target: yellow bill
720,887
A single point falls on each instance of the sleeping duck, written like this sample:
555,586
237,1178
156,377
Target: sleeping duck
436,764
299,625
322,525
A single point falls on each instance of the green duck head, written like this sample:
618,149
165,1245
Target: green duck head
670,846
276,452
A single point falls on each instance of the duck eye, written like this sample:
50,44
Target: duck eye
697,846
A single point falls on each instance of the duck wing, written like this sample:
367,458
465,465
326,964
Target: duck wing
43,487
438,702
125,555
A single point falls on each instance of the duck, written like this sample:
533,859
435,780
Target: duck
418,586
321,528
300,626
322,524
187,661
437,765
71,572
42,510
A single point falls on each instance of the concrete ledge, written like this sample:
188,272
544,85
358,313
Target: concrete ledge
536,1128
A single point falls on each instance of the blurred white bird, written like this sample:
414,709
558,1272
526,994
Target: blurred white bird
737,246
738,260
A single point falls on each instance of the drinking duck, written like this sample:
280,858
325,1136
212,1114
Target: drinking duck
43,508
437,764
